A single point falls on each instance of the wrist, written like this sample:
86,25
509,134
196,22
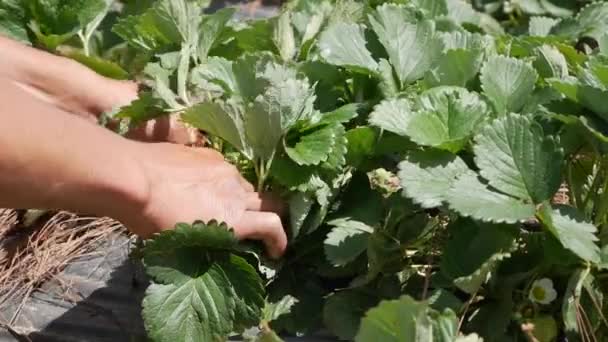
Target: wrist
106,180
122,188
59,161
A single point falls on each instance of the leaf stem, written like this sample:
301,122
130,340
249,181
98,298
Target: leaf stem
601,204
261,171
466,309
592,190
427,278
574,194
85,43
85,33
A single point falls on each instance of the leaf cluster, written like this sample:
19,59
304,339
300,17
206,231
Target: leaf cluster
437,158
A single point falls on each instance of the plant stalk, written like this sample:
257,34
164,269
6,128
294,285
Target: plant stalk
85,43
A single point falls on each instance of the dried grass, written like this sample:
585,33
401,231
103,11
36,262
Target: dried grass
31,256
8,219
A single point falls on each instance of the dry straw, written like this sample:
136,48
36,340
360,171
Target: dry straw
30,256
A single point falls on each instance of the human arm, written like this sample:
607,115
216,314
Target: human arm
52,160
74,88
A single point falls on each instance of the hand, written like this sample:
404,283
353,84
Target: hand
85,94
89,96
187,184
74,88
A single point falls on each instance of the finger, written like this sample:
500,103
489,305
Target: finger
165,129
258,225
182,133
268,202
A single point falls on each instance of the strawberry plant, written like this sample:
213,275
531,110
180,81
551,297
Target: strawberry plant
444,162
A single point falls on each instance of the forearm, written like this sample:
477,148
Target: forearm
52,160
61,81
37,68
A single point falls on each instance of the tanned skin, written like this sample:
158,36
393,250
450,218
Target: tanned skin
53,159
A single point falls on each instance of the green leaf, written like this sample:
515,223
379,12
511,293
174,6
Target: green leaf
272,311
471,198
300,206
507,82
337,156
201,291
308,24
215,71
171,312
346,241
222,119
326,77
344,45
462,13
315,147
550,62
474,251
395,320
341,115
588,96
447,117
146,107
343,310
513,155
458,40
591,21
389,85
441,299
570,309
412,45
428,176
275,112
603,44
210,30
13,20
434,8
164,26
541,26
62,17
545,328
278,101
462,58
604,258
305,315
589,88
407,320
575,234
455,68
493,317
349,11
284,38
165,265
516,158
163,90
384,254
392,115
361,145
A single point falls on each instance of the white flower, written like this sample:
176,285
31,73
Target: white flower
542,291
